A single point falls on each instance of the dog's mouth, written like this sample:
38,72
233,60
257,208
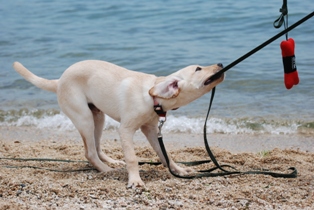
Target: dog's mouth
213,78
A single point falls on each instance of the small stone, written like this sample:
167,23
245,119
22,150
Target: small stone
168,189
93,196
123,204
19,192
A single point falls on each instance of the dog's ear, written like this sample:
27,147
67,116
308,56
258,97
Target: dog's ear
168,88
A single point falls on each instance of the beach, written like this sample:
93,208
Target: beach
31,188
254,123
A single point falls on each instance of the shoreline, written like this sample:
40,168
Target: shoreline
234,143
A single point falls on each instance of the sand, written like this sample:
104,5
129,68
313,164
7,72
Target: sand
29,188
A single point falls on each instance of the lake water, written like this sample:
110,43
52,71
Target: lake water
160,37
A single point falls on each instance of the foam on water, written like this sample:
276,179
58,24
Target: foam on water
178,124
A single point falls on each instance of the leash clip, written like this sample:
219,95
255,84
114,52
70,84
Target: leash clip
162,120
162,117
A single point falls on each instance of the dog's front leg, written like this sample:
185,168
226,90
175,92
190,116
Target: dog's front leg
126,136
150,131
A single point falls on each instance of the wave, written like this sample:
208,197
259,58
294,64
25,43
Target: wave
53,119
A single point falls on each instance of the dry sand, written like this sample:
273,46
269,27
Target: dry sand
29,188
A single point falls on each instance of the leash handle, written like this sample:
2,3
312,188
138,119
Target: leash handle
281,20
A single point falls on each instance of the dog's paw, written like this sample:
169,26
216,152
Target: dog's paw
182,171
135,184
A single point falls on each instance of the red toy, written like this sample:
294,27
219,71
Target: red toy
291,76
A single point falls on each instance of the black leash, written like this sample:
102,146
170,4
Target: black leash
47,160
224,171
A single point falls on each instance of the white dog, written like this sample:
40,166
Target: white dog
89,89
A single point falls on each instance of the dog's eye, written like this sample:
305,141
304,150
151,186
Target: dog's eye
198,68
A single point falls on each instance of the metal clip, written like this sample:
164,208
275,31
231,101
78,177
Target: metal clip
162,120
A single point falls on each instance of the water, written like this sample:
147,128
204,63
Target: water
160,37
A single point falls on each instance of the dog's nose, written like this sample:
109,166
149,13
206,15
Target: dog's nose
220,65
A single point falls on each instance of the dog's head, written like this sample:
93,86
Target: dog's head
185,85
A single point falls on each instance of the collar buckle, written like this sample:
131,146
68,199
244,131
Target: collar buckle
159,110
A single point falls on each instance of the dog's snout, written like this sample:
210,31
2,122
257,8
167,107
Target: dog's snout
220,65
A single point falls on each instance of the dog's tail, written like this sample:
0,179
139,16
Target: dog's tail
45,84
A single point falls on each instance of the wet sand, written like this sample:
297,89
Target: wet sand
29,188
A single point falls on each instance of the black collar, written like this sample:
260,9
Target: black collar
159,110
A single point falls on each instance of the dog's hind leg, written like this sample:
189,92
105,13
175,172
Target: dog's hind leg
99,120
82,118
